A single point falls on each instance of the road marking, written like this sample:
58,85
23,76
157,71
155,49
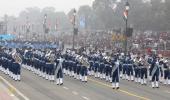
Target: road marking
65,87
74,92
85,98
167,91
12,95
121,90
12,89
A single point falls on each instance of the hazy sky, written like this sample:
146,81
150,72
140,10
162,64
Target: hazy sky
13,7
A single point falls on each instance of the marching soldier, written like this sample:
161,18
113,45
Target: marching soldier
59,71
16,65
66,64
155,73
75,68
96,66
130,69
108,68
143,65
125,67
150,61
90,58
84,66
137,69
161,61
48,66
115,73
78,68
166,68
101,70
121,64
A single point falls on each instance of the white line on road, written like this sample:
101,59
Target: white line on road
13,88
66,88
85,98
167,91
75,93
12,95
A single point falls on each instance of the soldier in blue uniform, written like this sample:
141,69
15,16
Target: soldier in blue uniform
70,65
78,68
166,68
150,61
16,67
90,59
84,67
125,67
59,70
107,69
155,72
137,69
74,67
47,67
130,68
115,73
96,66
101,69
66,64
43,65
28,56
121,56
144,67
11,69
161,61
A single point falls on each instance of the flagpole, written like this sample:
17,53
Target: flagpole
126,22
44,26
126,37
74,27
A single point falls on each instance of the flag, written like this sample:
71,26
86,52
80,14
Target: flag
125,14
72,20
56,25
82,22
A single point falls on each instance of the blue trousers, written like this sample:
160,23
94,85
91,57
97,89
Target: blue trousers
115,76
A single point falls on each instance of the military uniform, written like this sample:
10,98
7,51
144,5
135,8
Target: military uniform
125,68
143,65
166,72
137,69
59,71
96,67
130,69
115,73
107,70
84,68
102,69
78,69
9,66
91,65
155,73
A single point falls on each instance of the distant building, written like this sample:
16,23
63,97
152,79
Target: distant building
2,27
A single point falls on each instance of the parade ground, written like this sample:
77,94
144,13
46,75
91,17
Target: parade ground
33,87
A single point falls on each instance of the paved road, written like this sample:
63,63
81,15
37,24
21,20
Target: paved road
5,93
36,88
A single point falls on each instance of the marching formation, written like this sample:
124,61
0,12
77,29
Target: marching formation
51,64
44,63
10,63
111,67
